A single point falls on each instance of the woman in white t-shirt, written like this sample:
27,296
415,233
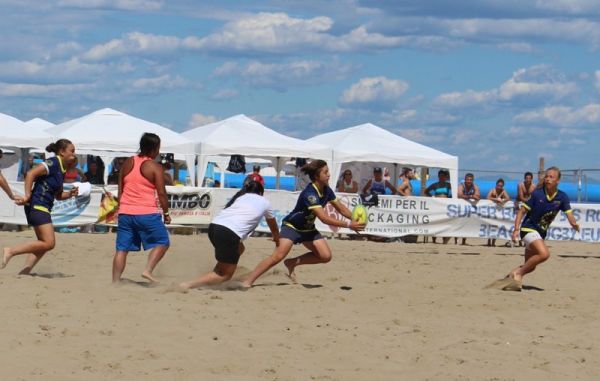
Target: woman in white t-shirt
235,223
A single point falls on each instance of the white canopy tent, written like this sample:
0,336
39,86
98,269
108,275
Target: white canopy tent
240,135
369,143
39,123
109,133
17,136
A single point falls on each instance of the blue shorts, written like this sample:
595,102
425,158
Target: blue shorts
145,229
37,217
297,236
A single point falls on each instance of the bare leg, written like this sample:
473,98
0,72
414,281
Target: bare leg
319,253
46,241
280,252
119,262
154,257
536,253
221,273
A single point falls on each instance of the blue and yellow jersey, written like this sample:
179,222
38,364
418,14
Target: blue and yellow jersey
542,208
302,218
46,187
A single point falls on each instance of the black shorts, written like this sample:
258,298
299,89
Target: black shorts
225,242
37,217
297,236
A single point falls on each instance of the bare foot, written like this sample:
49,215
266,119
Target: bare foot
516,276
291,265
148,276
5,258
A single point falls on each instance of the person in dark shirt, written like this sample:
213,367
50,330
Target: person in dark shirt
93,176
43,184
539,211
299,226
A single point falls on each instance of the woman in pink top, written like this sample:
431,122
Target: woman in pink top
142,195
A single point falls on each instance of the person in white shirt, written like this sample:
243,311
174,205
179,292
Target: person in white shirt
235,223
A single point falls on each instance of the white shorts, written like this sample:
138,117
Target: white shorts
531,237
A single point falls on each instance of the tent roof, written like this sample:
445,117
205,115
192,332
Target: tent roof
367,142
108,130
39,123
244,136
14,133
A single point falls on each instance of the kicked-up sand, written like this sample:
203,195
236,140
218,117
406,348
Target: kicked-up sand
377,311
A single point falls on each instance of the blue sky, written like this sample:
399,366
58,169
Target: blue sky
498,83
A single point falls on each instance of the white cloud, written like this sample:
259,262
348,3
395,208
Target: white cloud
562,116
60,71
158,84
518,47
198,120
527,87
260,33
34,90
534,83
134,43
130,5
469,98
374,89
225,94
597,76
282,75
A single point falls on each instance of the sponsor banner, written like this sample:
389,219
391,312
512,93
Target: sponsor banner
395,216
191,205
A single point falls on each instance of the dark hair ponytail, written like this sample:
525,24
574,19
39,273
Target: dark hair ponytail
148,143
313,168
248,187
58,146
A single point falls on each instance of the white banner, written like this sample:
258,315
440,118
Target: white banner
394,217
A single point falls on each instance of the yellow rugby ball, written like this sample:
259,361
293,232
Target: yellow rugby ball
359,214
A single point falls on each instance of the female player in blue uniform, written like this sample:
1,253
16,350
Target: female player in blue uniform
540,210
299,225
43,184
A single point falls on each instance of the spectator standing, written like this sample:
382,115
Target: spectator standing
113,177
440,189
93,175
346,183
500,196
255,176
469,191
405,188
378,184
73,174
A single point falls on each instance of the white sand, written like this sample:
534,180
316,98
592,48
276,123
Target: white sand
413,311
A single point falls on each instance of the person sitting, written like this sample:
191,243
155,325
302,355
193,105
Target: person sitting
346,183
405,188
377,184
469,191
500,196
93,176
74,174
440,189
255,176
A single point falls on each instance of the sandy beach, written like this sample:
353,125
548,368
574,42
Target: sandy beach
378,311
